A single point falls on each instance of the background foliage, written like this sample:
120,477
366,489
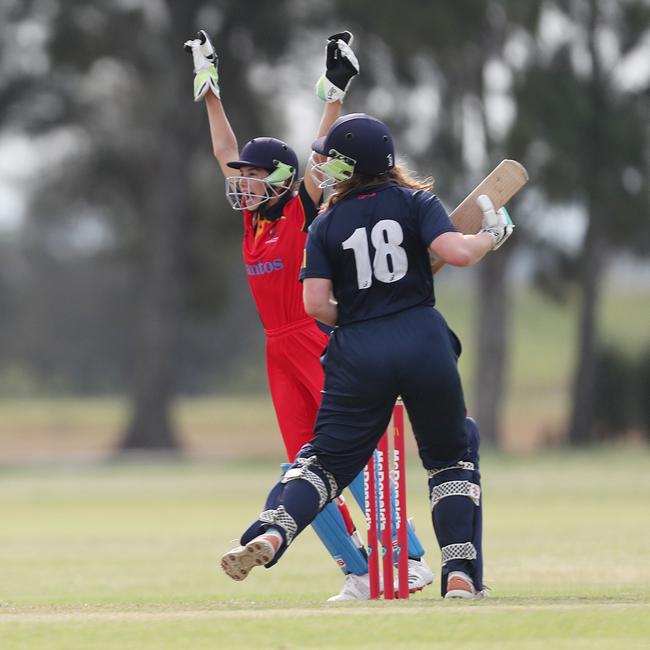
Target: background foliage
120,272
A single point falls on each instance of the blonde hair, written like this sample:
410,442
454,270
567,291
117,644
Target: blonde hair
400,174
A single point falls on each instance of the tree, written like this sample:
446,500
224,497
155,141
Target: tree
166,225
453,44
136,170
585,132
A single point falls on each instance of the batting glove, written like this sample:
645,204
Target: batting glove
496,222
341,65
205,66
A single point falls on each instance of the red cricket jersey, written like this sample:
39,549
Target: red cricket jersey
273,251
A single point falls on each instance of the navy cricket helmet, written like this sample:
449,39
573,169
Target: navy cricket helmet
265,153
360,139
278,158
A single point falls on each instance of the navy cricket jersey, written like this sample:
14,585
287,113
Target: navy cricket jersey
373,246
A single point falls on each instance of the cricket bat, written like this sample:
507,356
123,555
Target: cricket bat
501,184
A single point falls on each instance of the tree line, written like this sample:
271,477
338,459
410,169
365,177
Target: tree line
124,275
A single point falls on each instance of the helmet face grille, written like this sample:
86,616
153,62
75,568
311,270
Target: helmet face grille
250,192
333,170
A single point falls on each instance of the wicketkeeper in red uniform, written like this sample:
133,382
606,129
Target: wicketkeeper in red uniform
262,182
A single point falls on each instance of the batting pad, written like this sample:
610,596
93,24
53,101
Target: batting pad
332,532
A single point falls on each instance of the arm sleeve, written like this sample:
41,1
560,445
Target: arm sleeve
432,217
315,263
309,207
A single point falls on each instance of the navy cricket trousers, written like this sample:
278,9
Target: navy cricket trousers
367,365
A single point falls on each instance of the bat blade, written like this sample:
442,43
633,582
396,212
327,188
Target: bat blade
501,184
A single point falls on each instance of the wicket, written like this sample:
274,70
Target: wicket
380,473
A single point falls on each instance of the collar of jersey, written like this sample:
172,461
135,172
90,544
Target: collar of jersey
274,212
367,189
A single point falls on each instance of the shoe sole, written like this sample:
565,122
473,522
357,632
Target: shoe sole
420,587
239,562
461,594
412,590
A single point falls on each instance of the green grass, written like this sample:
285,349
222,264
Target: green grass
123,556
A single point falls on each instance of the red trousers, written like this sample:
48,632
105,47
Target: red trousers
296,379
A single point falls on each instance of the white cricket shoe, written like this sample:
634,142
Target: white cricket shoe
420,575
354,588
238,562
460,585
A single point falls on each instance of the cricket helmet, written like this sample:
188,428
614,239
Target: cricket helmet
265,153
355,143
277,157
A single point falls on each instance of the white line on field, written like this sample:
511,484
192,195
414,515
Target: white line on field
329,610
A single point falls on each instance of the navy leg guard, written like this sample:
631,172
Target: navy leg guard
456,510
415,548
332,530
292,504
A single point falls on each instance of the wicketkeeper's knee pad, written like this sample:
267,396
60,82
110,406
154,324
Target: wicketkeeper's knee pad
304,489
456,510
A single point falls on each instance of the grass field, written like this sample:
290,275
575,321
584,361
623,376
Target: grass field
124,556
100,555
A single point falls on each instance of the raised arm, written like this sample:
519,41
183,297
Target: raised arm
340,66
206,86
224,141
331,112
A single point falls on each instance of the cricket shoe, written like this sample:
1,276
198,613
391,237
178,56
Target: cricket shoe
354,588
460,585
420,575
238,562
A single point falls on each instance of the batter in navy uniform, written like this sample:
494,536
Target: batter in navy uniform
368,271
262,183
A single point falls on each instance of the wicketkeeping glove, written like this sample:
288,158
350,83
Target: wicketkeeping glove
497,222
205,66
341,65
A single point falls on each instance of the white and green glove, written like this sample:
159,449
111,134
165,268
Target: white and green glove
205,66
340,66
496,222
